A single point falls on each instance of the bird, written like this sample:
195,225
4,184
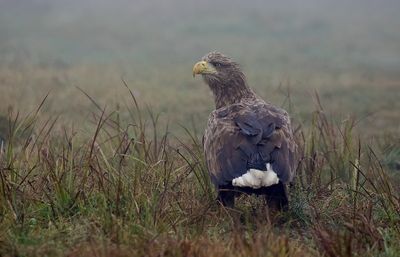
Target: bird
248,143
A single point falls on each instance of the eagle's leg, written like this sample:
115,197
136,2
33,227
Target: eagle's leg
226,196
276,196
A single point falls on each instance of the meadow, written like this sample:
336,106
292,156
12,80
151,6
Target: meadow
101,125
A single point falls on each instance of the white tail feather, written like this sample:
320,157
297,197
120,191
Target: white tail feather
257,178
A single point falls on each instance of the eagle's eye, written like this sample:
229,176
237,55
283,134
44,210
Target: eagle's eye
216,64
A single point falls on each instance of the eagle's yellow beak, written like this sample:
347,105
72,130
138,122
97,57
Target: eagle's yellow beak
203,67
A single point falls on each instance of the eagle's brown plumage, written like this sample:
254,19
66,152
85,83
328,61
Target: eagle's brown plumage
244,132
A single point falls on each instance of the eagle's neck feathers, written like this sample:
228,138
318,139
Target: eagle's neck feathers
231,91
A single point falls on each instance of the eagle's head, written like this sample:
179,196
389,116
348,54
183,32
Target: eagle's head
218,69
224,77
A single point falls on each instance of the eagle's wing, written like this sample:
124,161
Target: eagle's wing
249,135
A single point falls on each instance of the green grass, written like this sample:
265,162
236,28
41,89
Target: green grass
132,188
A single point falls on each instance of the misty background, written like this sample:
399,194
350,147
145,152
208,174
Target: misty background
347,50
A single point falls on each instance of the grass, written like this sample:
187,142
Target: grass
132,188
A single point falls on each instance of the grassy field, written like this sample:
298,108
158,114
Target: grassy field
133,190
101,126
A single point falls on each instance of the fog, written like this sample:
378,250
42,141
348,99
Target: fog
284,35
348,51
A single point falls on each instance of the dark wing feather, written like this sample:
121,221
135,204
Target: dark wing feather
249,135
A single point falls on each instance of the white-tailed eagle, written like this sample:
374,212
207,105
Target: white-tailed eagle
248,143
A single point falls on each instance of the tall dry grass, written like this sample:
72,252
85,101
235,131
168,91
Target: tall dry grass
134,189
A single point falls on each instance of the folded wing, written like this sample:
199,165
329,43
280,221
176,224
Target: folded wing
249,135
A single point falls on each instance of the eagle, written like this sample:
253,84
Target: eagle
248,143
